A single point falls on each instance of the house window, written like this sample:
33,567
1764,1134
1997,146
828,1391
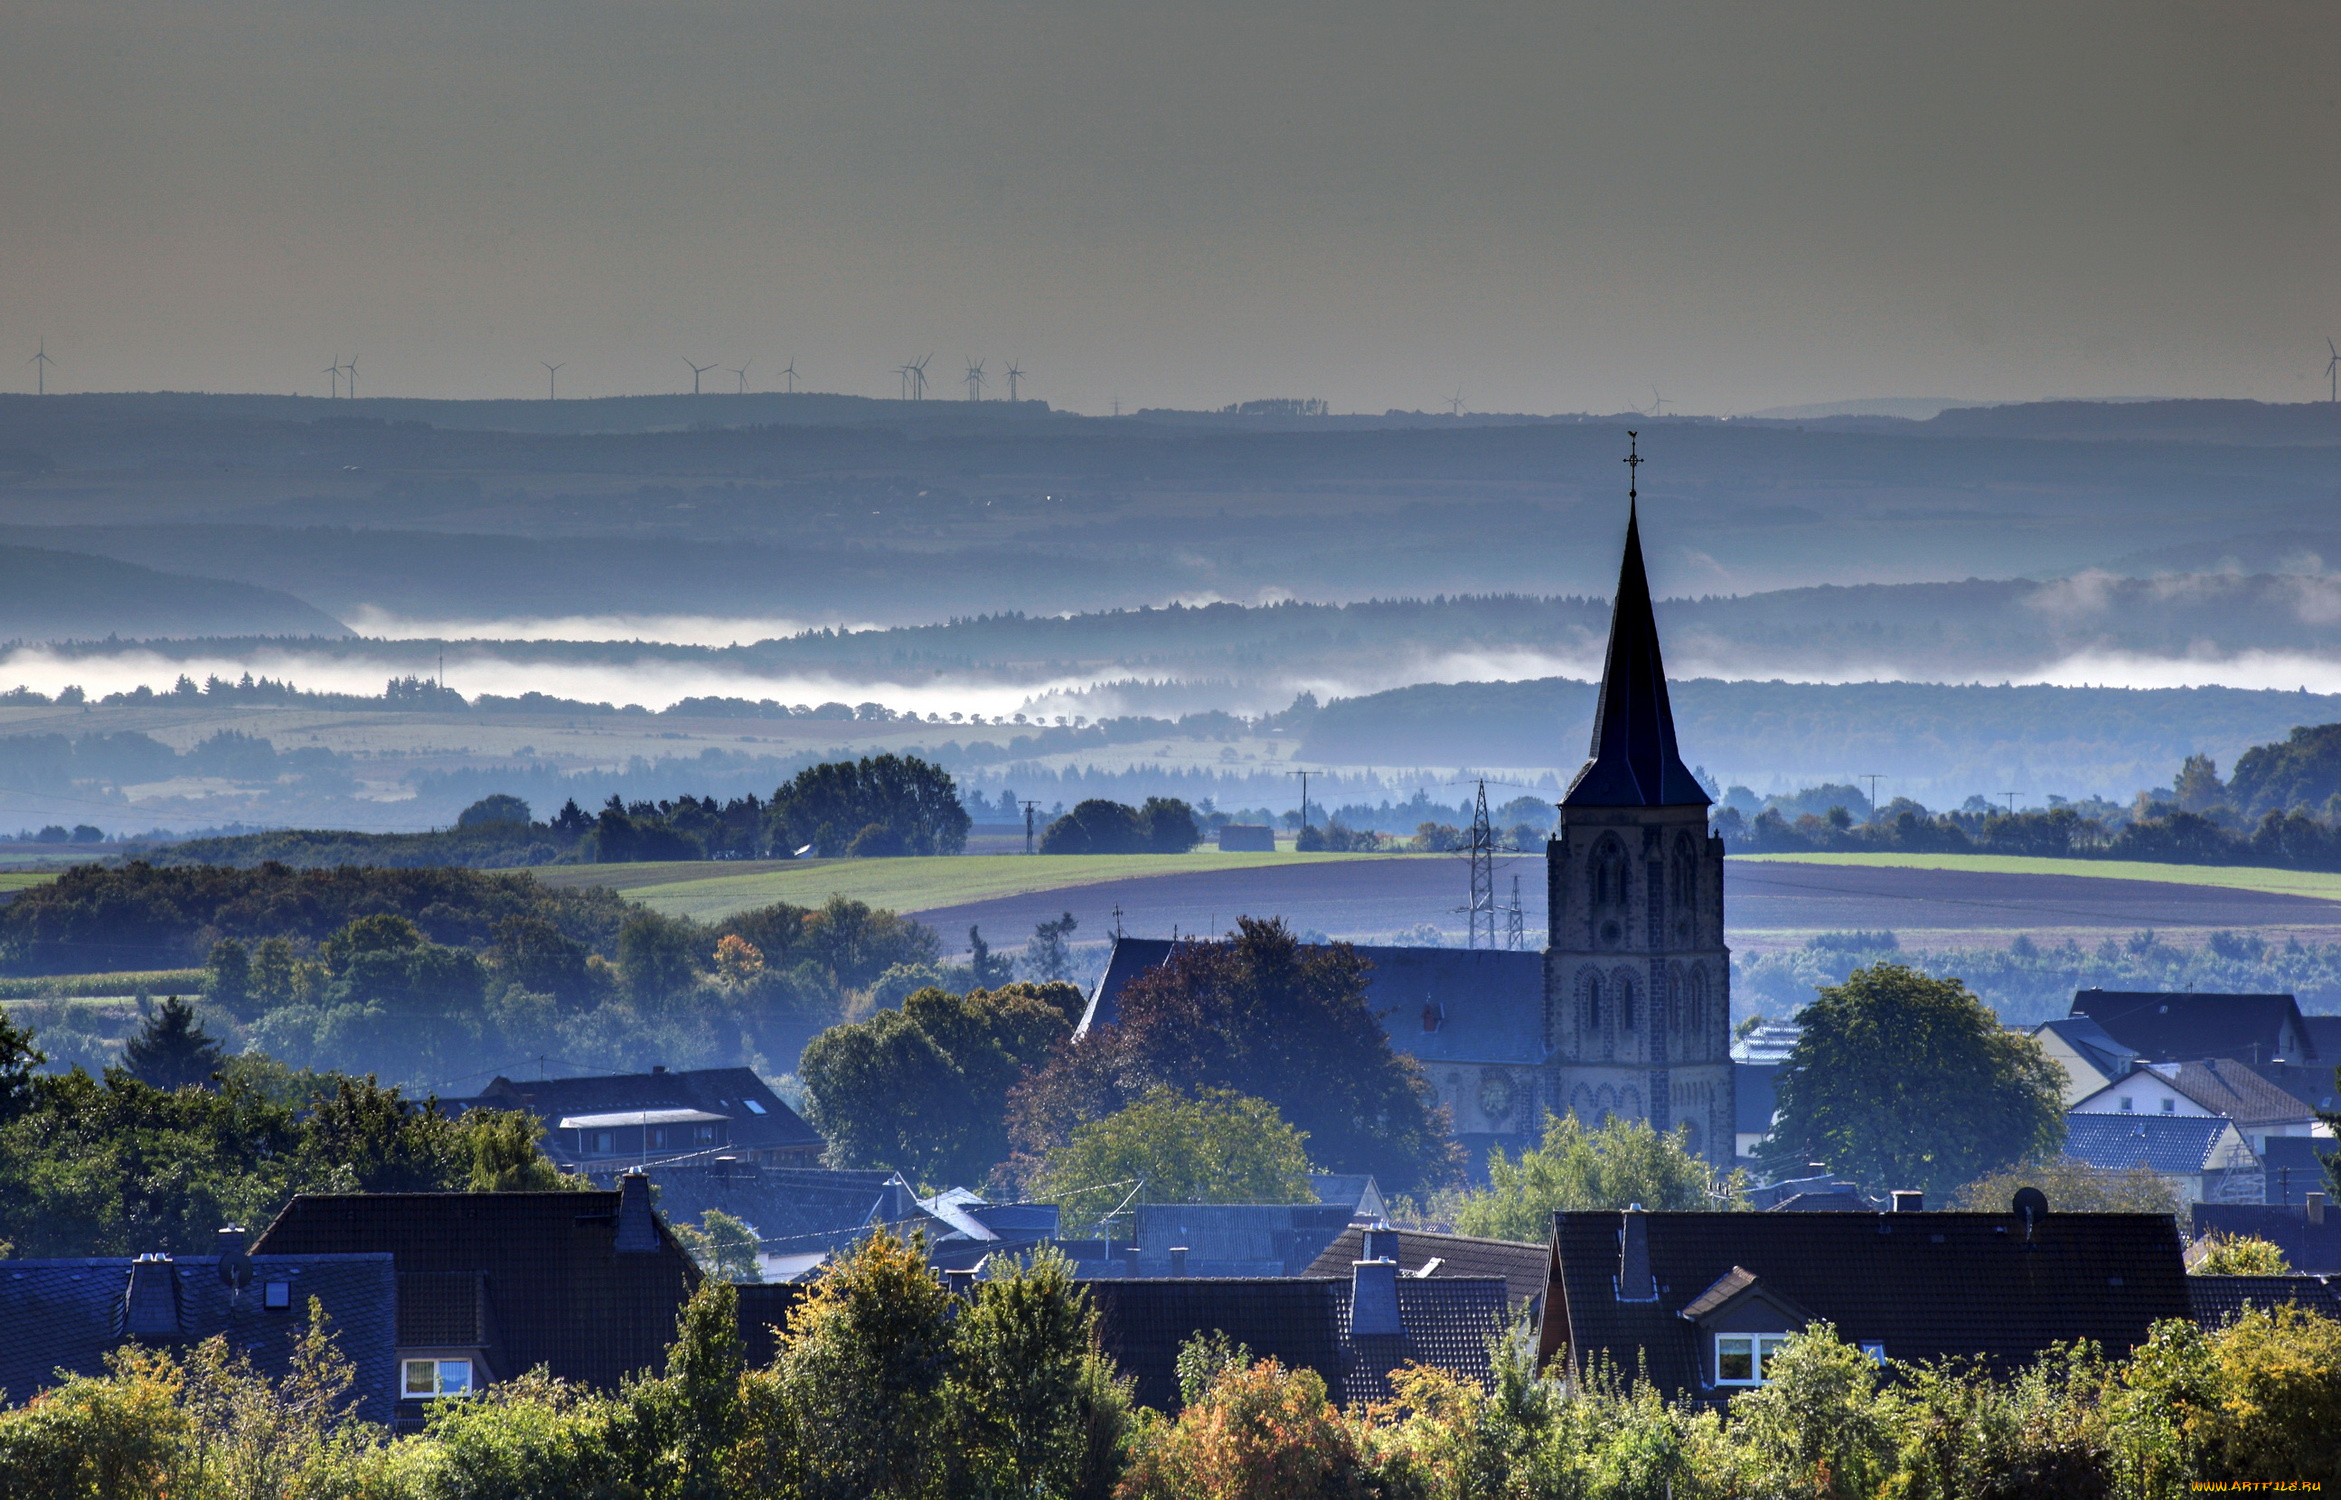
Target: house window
428,1379
1740,1357
277,1294
704,1135
2170,1106
604,1142
1875,1350
2127,1104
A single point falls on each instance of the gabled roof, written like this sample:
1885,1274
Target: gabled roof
1489,1003
1222,1240
2095,1045
2179,1025
1522,1267
69,1314
2308,1247
760,1120
778,1202
2217,1300
2226,1087
560,1286
1633,761
1299,1322
2180,1144
1926,1285
1735,1286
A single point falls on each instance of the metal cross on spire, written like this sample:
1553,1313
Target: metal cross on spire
1632,461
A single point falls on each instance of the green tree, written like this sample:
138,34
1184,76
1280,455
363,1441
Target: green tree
1097,826
1048,957
2075,1187
1616,1165
985,971
831,805
1269,1017
1899,1080
170,1051
1170,825
230,987
1816,1427
863,1369
504,1151
724,1247
1035,1409
924,1089
20,1063
1217,1147
658,957
498,809
2239,1255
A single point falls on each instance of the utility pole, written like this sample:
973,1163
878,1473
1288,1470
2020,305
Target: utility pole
1483,872
1028,807
1304,776
1117,921
2011,796
1873,778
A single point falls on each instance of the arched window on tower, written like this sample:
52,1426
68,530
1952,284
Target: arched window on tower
1593,1005
1608,892
1683,889
1625,989
1697,1005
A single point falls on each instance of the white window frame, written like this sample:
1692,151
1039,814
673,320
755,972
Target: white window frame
1760,1346
441,1370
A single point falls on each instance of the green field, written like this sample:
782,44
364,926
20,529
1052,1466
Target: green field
77,986
686,889
2313,883
17,880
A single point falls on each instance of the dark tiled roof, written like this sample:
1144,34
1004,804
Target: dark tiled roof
2180,1025
2324,1037
1633,761
1927,1285
2221,1299
1838,1198
2311,1083
1491,1002
67,1314
760,1121
2313,1248
1300,1322
2296,1166
1522,1267
765,1308
2226,1087
2167,1143
2092,1041
558,1290
781,1202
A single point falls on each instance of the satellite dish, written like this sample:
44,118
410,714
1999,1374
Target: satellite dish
235,1270
2030,1205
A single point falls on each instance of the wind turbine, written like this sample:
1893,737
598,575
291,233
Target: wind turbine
1657,403
696,372
790,375
1455,403
334,371
351,370
2333,372
918,379
1014,374
742,372
40,363
975,380
551,370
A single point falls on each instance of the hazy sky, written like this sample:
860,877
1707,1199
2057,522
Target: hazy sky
1549,206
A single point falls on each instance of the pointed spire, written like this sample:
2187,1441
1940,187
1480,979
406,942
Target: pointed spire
1633,761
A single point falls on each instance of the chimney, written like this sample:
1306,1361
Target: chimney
150,1305
1130,1262
1909,1201
657,1068
1178,1254
1373,1299
637,1225
1634,1280
2314,1203
1380,1243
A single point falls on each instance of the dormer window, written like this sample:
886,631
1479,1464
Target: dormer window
430,1379
1740,1357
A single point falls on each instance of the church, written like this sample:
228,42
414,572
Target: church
1627,1011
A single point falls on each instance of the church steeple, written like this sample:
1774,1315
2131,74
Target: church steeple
1633,761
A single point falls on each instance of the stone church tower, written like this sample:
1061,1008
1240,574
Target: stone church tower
1637,980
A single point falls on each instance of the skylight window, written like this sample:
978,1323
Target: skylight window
753,1107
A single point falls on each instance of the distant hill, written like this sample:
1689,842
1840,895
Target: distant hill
47,595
